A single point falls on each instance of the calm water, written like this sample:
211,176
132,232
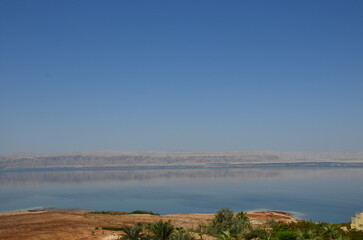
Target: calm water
319,194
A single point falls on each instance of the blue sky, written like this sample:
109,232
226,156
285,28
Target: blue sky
181,75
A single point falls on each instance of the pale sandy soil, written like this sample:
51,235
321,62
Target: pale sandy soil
81,225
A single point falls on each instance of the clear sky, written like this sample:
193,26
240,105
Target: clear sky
181,75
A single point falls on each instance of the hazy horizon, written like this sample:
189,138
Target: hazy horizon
186,76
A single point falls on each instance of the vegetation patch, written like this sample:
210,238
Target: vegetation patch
143,212
155,231
113,228
107,212
286,235
227,224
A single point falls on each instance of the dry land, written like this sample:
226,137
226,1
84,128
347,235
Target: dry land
76,224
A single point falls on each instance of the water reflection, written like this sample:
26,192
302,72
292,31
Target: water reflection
159,175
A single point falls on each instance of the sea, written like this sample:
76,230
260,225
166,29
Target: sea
324,194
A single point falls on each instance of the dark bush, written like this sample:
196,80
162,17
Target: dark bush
226,220
143,212
222,221
112,228
259,233
286,235
355,235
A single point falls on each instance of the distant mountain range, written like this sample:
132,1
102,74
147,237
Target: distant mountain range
116,159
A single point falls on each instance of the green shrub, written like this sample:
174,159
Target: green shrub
225,220
242,216
143,212
221,222
286,235
259,233
112,228
355,234
279,226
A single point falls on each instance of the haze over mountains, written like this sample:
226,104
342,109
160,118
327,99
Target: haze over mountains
117,159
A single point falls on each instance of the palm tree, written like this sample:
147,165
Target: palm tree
132,233
226,235
330,232
162,230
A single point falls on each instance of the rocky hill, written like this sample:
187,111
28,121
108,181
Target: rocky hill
115,159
